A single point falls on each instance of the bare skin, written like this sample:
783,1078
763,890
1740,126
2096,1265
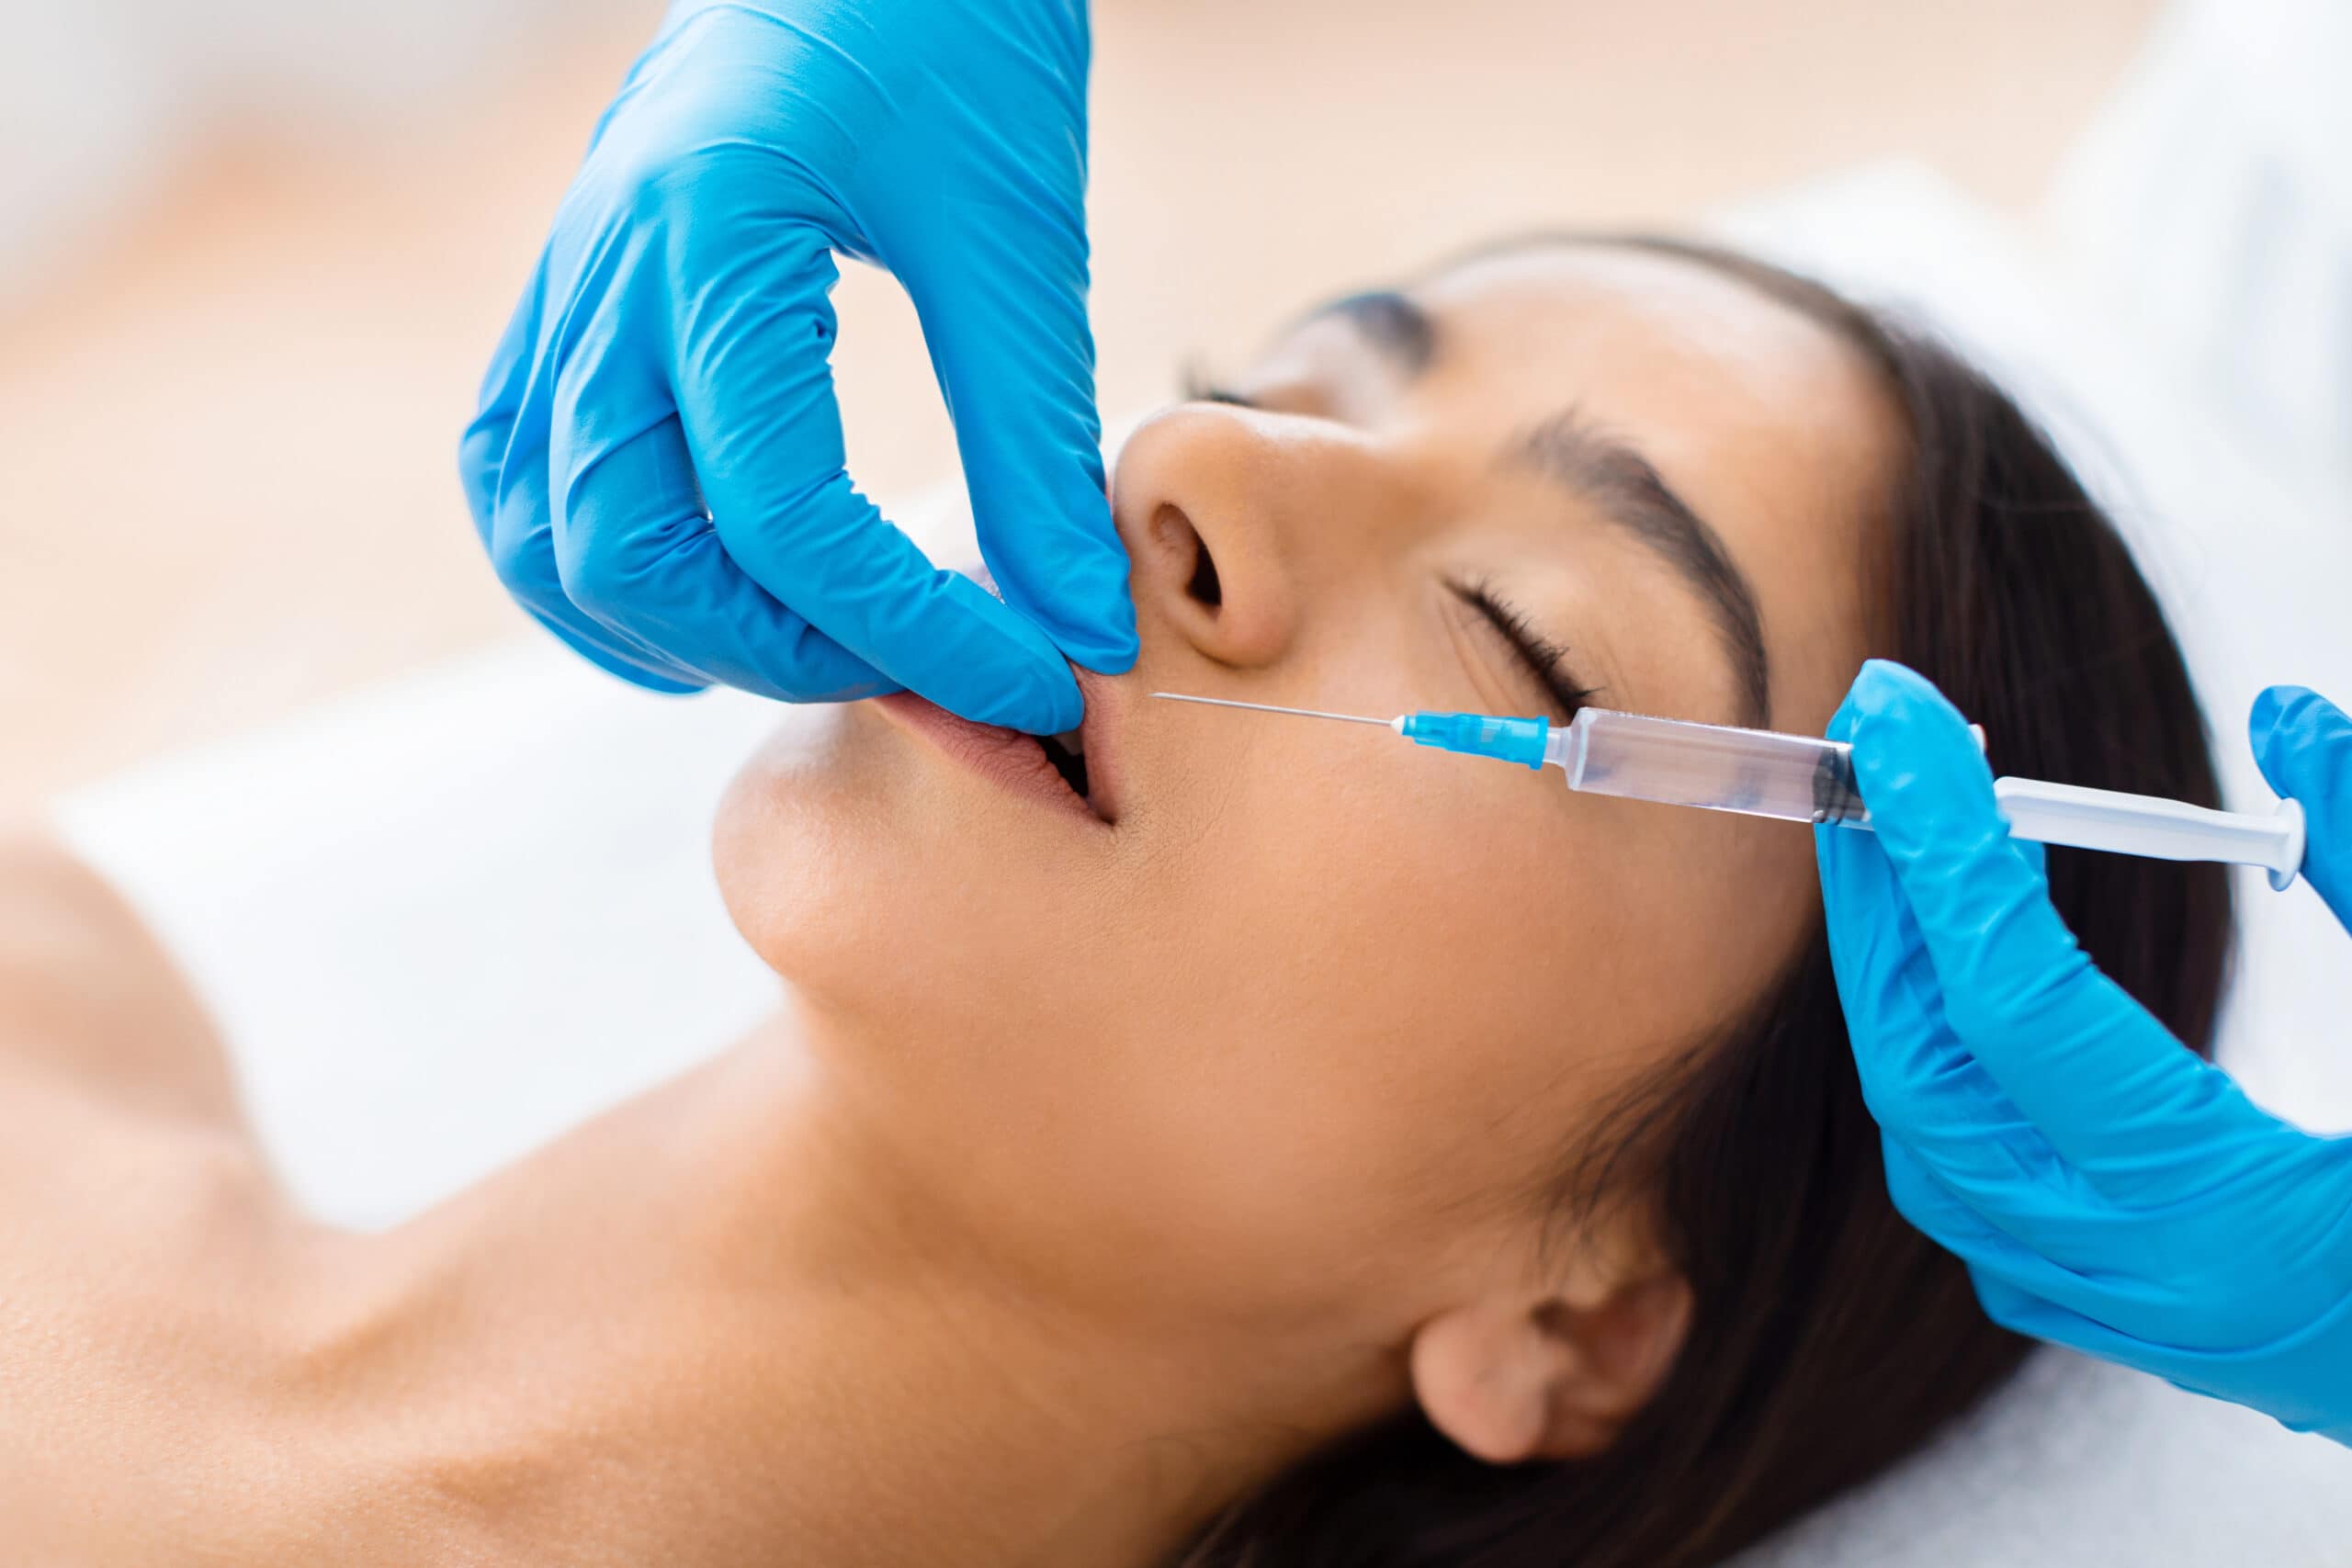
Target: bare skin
748,1305
1095,1171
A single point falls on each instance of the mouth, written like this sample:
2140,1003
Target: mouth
1066,752
1050,769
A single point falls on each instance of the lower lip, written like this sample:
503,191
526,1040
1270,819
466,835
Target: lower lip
1006,756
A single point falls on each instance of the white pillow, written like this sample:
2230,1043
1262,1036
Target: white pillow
445,920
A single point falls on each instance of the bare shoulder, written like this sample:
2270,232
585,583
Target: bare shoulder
196,1372
88,993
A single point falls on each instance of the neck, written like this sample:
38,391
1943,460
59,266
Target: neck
729,1298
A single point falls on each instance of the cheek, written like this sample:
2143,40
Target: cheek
783,849
1371,988
1421,1000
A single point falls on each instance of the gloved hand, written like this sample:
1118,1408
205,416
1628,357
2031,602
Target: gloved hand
2108,1190
657,468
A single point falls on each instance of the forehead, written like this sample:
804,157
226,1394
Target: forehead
1768,423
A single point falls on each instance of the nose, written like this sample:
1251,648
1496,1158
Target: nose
1225,514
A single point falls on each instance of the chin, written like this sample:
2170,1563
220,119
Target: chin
799,849
862,881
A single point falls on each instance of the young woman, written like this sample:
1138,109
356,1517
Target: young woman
1208,1139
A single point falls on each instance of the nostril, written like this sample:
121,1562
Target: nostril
1203,585
1190,553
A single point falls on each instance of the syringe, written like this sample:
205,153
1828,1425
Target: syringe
1801,778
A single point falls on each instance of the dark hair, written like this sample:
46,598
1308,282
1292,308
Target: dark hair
1828,1339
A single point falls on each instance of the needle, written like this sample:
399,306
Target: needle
1269,707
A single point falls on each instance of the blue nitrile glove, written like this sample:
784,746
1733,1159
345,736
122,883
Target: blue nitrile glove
657,468
2109,1189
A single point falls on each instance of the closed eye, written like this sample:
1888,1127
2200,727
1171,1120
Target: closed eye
1199,388
1545,659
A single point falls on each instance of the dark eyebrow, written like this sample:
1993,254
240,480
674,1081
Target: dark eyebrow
1596,466
1400,330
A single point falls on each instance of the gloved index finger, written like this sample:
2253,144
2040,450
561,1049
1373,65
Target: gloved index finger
2105,1082
1004,315
753,384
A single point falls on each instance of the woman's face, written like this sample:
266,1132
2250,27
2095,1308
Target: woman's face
1296,1014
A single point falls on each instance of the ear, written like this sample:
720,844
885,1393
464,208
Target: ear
1515,1379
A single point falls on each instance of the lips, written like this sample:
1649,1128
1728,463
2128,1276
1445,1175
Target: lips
1054,771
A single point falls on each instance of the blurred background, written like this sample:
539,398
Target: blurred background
255,254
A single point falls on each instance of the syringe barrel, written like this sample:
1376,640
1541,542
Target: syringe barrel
1758,772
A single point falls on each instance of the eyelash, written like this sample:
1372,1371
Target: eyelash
1199,388
1545,659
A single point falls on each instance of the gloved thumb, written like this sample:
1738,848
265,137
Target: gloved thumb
2303,745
